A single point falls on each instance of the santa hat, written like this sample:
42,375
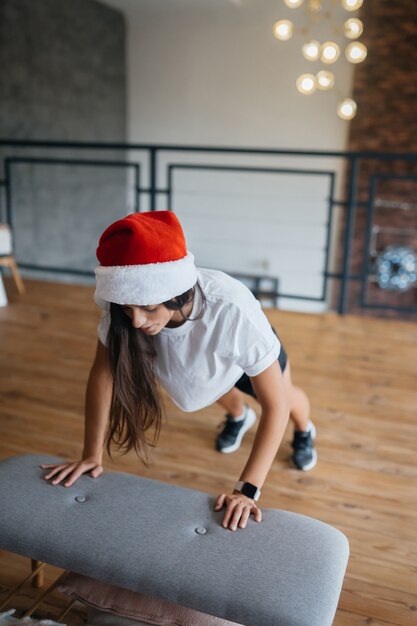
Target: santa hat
144,260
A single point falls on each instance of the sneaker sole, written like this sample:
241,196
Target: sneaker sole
251,419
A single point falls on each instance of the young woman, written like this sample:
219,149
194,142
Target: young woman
201,335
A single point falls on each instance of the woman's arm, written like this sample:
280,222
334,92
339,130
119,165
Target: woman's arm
271,393
97,406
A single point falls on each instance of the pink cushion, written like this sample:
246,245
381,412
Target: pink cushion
134,605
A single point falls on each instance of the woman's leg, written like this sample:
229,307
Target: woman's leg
233,402
304,455
298,401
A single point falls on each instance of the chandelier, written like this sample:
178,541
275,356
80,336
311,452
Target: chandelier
326,52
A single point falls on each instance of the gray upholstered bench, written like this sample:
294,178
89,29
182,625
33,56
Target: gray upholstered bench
167,542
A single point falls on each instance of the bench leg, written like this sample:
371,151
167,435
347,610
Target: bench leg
36,565
41,598
38,579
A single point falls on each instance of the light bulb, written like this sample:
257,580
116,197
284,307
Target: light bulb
330,52
293,4
346,109
325,80
353,28
306,84
356,52
352,5
311,50
283,29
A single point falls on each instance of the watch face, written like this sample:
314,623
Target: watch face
249,490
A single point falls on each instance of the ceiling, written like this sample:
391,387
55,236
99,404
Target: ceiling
133,8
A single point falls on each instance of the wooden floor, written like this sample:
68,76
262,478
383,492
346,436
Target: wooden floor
361,376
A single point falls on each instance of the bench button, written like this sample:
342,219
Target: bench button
200,530
80,499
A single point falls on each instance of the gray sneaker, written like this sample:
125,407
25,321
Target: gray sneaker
231,436
304,456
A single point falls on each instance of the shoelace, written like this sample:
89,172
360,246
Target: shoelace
229,426
302,440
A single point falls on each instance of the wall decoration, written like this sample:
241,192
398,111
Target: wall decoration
396,268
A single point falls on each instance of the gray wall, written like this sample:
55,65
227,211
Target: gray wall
63,77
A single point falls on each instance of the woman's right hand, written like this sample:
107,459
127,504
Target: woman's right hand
71,471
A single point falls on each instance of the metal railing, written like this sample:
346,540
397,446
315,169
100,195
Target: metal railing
13,153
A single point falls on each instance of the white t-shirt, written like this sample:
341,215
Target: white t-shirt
201,360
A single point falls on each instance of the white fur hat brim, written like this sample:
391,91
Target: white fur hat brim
151,283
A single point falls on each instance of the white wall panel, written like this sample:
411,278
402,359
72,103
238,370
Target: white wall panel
280,232
209,72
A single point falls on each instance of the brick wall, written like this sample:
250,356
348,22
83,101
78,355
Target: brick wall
385,89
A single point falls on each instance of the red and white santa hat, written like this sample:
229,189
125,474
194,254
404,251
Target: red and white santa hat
144,260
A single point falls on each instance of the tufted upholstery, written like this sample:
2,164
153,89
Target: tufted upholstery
167,542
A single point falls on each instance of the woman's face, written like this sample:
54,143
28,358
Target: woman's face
149,319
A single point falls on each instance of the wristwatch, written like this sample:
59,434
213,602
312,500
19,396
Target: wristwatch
248,490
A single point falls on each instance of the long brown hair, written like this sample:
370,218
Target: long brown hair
136,405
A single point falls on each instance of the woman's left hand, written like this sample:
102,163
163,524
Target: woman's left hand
238,510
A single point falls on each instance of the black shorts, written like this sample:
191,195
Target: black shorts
244,384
